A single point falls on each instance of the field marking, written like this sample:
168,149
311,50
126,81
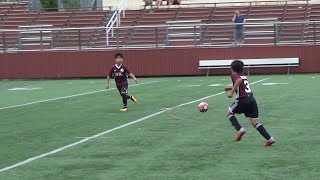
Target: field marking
87,137
66,97
190,85
215,85
270,84
109,131
24,89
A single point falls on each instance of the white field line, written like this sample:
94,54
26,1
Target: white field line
66,97
107,131
87,137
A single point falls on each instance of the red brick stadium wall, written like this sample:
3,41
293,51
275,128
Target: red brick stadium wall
150,62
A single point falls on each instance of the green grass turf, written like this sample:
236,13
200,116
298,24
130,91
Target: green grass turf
180,143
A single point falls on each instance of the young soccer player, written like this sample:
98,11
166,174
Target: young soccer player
245,103
120,74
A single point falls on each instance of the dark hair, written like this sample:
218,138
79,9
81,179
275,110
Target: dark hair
118,55
237,66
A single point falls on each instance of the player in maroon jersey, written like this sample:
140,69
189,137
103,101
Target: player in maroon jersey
120,74
245,103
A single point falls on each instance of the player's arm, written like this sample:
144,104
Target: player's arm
235,87
107,82
108,78
133,77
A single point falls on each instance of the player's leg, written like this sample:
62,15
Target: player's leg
236,108
125,97
253,114
134,99
120,89
262,131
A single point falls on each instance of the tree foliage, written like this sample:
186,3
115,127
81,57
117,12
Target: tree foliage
49,4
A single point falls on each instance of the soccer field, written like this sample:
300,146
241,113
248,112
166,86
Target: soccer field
73,129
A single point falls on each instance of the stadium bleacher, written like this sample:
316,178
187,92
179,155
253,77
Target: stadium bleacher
138,27
284,11
14,15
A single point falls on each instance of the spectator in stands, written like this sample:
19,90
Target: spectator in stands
238,33
158,3
174,2
148,3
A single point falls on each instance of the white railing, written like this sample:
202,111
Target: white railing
109,27
115,19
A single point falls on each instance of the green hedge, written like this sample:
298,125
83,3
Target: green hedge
53,4
50,4
71,3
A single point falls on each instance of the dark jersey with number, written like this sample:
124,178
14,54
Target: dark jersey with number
120,74
244,87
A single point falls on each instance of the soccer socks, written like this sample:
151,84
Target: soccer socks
125,98
234,121
262,131
133,99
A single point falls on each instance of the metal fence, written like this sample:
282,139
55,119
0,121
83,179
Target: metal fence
1,1
164,36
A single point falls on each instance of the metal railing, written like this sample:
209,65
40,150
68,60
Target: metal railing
9,1
212,35
243,3
115,20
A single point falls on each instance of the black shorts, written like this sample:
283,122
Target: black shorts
246,105
123,89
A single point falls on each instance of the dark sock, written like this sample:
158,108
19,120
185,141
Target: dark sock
125,100
234,121
262,131
129,97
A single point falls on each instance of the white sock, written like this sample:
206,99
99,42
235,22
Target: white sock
271,139
243,130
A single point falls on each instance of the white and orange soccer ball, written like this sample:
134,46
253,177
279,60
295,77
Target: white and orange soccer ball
203,107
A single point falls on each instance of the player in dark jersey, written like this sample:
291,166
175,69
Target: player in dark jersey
120,74
245,103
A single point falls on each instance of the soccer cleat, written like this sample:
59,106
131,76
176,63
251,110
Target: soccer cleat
270,142
134,99
240,133
124,109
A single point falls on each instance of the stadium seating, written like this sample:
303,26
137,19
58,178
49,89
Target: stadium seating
14,15
311,30
219,34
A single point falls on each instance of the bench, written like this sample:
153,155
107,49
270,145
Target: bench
250,63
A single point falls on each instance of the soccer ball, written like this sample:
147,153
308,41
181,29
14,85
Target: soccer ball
203,107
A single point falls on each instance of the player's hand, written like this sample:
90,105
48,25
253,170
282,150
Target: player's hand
230,95
136,81
107,86
227,88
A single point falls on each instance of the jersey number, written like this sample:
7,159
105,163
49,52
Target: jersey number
246,83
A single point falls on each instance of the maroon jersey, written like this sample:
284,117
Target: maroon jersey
120,74
244,87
